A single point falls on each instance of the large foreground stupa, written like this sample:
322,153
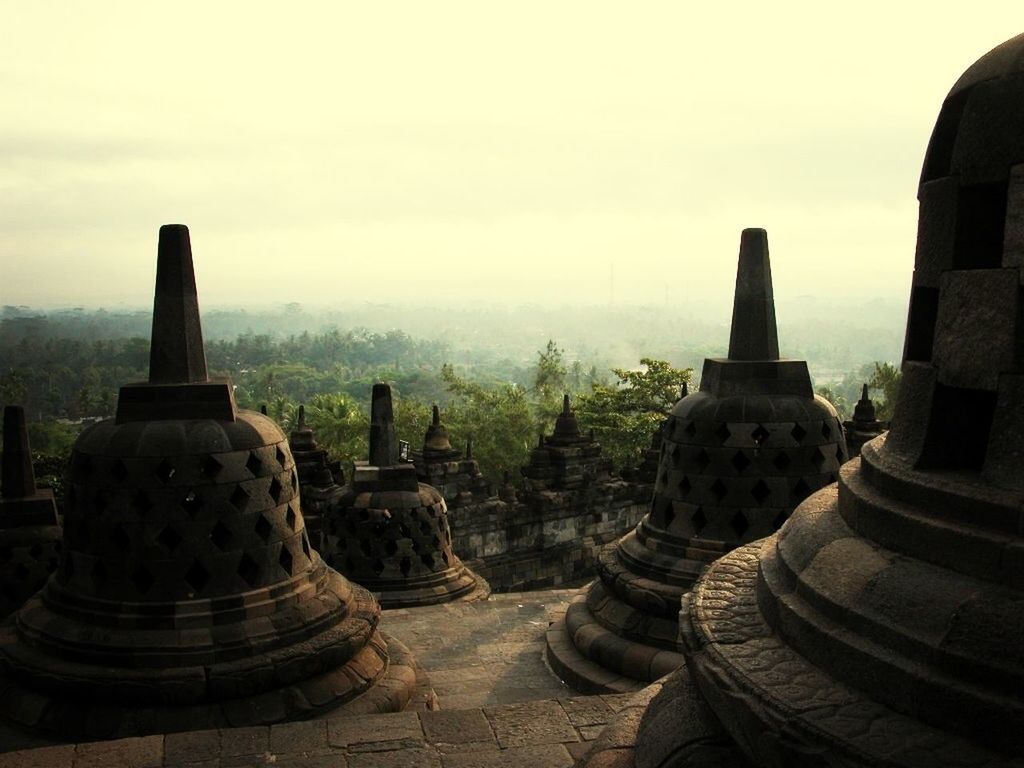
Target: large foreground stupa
884,624
188,595
736,459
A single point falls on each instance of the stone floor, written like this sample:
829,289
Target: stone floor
542,734
499,706
483,654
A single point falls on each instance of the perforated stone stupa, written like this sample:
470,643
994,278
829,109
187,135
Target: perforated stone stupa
736,458
390,532
884,624
30,534
188,595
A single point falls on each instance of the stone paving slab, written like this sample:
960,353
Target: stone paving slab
549,733
500,705
486,653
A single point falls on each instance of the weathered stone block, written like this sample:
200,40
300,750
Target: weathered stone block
936,230
913,410
1005,455
976,327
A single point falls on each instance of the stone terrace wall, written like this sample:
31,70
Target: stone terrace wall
550,539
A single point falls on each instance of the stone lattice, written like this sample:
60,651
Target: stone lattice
390,532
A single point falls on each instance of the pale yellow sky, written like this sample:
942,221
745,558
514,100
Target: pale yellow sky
325,152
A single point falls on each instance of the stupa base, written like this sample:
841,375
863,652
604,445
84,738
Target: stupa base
621,634
679,728
351,665
778,707
590,658
466,587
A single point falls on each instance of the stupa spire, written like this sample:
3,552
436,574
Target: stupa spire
176,353
19,480
383,444
754,335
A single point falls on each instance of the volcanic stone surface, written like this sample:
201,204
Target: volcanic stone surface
884,623
390,532
188,595
736,459
30,534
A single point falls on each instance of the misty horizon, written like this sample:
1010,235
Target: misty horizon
468,153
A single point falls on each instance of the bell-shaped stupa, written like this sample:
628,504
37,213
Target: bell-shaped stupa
188,595
736,458
884,624
390,533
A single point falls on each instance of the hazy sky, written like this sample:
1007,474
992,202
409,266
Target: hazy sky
507,151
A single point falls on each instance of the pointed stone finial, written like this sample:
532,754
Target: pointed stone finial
566,411
435,418
302,417
383,444
469,448
684,390
176,353
19,480
864,393
263,409
754,335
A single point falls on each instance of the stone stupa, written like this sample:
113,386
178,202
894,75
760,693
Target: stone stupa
565,463
188,595
317,478
440,465
390,533
30,534
736,458
863,426
884,624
